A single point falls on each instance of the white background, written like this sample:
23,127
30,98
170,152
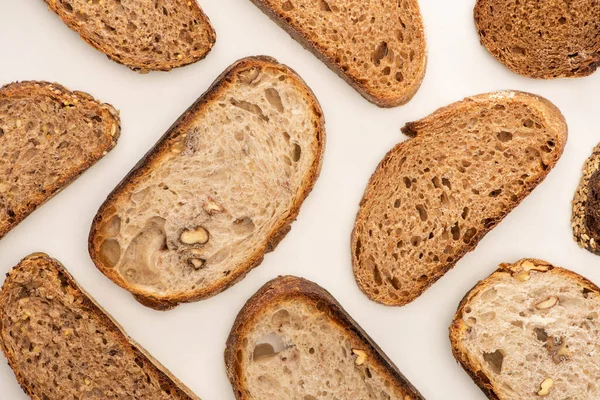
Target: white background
36,45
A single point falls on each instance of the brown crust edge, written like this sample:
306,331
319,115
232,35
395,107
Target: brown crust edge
579,204
555,119
278,233
128,344
290,287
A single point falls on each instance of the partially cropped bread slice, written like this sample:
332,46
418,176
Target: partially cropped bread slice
435,196
145,35
378,47
293,340
217,192
62,345
48,137
542,39
530,331
585,218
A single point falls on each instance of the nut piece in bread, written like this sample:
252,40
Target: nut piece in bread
435,196
585,218
292,339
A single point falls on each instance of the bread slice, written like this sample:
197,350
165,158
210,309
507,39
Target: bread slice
530,331
217,192
541,39
48,137
435,196
62,345
145,35
378,47
585,218
293,340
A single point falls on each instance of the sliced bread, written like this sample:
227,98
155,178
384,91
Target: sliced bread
217,192
585,218
48,137
62,345
145,35
378,47
542,39
530,331
435,196
293,340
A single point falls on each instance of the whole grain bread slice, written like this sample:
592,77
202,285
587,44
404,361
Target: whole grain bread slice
144,35
48,137
530,331
62,345
293,340
378,47
218,191
542,39
585,218
435,196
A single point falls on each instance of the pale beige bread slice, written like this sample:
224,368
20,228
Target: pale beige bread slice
434,197
144,35
294,341
48,137
585,218
218,191
542,39
62,345
530,331
378,47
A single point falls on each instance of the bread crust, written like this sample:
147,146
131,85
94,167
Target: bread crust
285,288
145,164
555,120
128,345
584,208
457,330
61,94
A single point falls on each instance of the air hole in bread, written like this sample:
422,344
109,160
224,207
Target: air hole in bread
455,230
324,6
267,347
407,182
504,136
422,212
110,252
494,360
274,99
380,52
296,152
377,276
469,235
250,107
287,6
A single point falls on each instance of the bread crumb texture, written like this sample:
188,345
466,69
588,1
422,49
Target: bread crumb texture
585,218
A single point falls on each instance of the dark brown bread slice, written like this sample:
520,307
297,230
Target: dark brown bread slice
48,137
585,219
145,35
542,39
378,47
293,340
435,196
530,331
62,345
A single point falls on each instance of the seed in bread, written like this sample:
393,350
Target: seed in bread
48,137
585,218
293,340
435,196
515,350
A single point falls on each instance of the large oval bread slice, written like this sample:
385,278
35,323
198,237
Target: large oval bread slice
62,345
435,196
145,35
378,47
585,218
530,332
48,137
542,39
217,192
294,341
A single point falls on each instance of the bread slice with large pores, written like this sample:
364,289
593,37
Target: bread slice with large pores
217,192
585,218
62,345
378,47
293,340
530,331
145,35
48,137
435,196
542,39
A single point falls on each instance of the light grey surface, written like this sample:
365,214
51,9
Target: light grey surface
190,340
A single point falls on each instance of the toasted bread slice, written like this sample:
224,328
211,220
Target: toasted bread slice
378,47
585,218
435,196
530,331
542,39
62,345
48,137
293,340
144,35
217,192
